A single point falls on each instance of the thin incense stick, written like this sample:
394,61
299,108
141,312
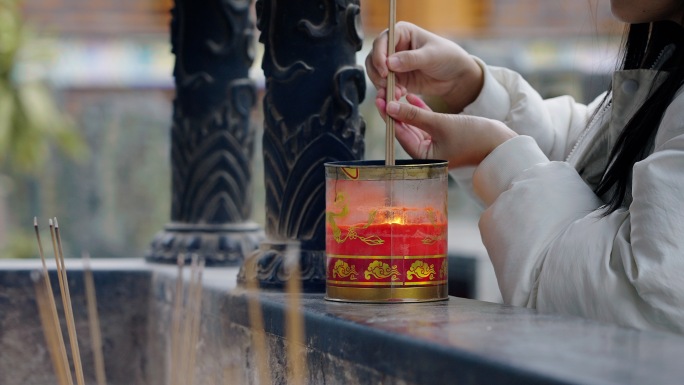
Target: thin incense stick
68,312
229,377
187,333
195,317
391,79
296,360
94,321
176,321
49,330
54,316
257,322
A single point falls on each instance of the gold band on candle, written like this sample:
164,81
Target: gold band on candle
387,294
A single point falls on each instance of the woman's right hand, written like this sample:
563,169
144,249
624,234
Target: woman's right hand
426,64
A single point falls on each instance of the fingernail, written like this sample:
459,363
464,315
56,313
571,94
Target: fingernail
392,107
393,62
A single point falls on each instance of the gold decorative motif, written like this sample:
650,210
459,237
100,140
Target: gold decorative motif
432,239
341,200
443,271
381,270
343,270
421,270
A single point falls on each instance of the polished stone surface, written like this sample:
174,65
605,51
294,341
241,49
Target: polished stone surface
456,341
123,292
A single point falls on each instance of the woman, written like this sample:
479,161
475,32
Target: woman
584,204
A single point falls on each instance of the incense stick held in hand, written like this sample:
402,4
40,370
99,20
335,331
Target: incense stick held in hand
389,139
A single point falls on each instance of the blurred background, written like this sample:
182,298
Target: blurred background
86,92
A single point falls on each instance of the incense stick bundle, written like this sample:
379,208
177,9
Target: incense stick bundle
52,334
66,299
391,81
63,371
50,318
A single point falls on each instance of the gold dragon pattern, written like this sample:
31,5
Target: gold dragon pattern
381,270
432,239
443,271
343,270
421,269
372,240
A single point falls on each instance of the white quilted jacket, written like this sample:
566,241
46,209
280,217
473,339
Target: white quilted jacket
551,248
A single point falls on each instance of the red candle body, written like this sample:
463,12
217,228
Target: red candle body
386,232
387,254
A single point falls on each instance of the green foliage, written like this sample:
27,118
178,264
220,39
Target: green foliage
21,244
30,121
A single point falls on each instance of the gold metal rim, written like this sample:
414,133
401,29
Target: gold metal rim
379,173
387,295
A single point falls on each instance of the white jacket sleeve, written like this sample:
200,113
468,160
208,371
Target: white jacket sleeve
555,123
551,249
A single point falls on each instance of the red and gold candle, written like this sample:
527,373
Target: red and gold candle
386,231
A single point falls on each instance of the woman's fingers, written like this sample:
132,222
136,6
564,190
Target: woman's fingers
423,133
414,141
378,54
378,80
417,101
413,115
381,105
407,61
460,139
376,61
399,92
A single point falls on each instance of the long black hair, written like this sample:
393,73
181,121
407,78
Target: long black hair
659,46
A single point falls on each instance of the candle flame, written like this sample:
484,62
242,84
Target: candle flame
394,216
395,221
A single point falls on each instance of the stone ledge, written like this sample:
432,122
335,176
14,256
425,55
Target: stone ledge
458,341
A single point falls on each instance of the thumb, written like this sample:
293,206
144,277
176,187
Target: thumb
406,61
415,116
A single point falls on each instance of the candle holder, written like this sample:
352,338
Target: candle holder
386,231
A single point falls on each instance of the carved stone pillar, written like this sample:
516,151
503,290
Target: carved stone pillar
212,144
313,88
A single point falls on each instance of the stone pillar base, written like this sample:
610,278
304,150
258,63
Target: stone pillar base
267,266
219,245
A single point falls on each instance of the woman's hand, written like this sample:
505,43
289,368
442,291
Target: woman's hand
426,64
460,139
